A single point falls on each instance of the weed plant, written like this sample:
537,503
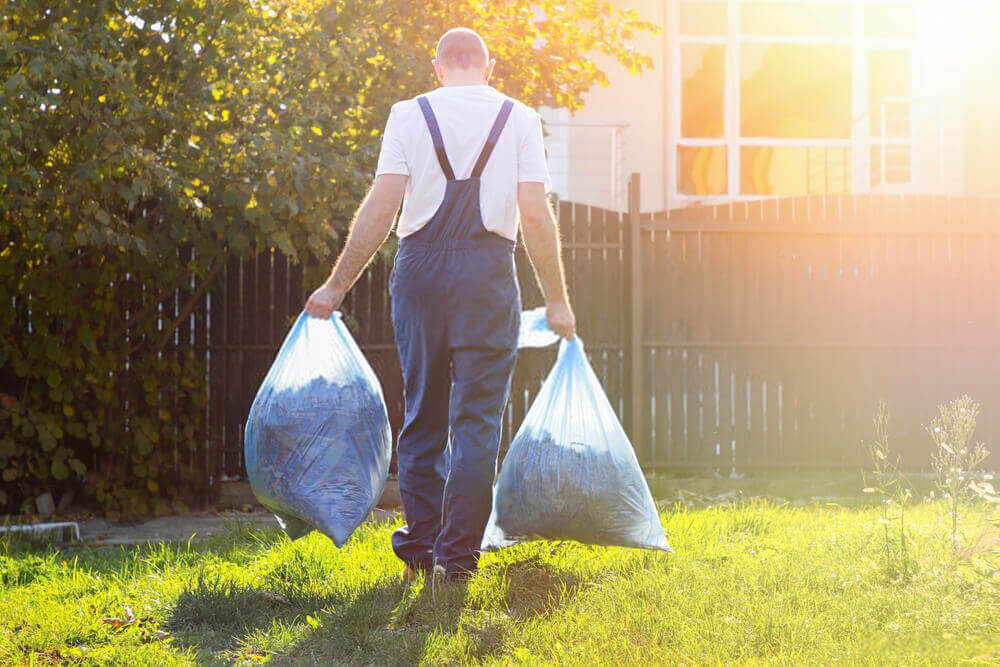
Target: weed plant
956,458
893,490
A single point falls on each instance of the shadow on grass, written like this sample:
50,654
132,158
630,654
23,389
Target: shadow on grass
402,625
387,623
534,587
214,615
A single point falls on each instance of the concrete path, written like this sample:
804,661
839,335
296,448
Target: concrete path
101,532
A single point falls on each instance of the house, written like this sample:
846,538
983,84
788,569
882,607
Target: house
750,100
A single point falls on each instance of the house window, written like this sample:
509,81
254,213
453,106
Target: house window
805,19
704,18
702,170
889,81
888,20
794,170
790,97
795,91
703,67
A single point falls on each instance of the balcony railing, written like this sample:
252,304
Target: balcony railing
910,145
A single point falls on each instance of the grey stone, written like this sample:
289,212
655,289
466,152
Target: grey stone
46,505
236,493
65,500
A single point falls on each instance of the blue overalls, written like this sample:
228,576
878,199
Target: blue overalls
455,312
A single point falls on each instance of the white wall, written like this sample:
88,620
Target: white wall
636,100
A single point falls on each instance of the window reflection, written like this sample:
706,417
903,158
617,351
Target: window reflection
897,165
702,170
703,68
795,91
889,76
888,20
703,18
794,170
799,19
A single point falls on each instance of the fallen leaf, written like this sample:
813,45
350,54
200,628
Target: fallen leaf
161,635
273,597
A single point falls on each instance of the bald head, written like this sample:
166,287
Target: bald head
462,49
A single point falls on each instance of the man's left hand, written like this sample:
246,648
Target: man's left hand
324,301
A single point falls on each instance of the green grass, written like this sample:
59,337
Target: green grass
751,582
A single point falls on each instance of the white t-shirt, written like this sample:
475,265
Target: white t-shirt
465,115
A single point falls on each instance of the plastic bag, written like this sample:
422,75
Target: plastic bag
570,473
318,440
535,331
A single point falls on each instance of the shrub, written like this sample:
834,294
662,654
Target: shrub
144,142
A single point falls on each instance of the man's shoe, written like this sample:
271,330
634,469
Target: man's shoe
439,577
442,576
459,576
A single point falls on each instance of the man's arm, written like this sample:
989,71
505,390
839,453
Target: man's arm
541,240
369,230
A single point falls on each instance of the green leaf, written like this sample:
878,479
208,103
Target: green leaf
47,440
143,445
87,339
59,470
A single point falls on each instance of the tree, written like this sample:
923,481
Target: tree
142,142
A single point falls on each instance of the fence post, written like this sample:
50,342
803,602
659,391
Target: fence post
635,309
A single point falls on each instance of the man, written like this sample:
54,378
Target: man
463,159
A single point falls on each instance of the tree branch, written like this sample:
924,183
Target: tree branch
151,306
58,268
188,307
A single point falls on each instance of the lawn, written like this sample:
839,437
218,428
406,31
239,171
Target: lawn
753,581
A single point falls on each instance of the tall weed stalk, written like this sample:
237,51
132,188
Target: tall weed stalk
956,458
886,481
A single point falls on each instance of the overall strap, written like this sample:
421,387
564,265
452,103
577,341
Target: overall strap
491,140
432,125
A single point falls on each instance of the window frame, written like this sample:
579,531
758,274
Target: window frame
858,145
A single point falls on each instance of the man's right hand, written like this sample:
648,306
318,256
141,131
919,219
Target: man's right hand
560,319
324,301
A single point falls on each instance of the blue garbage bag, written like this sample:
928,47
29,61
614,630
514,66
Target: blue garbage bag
535,331
571,473
318,440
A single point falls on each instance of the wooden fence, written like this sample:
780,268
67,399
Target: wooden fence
257,299
751,335
769,331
